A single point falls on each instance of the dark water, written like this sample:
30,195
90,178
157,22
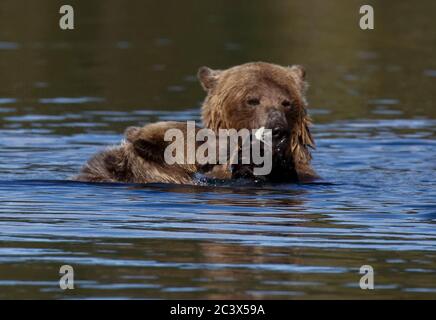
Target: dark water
67,94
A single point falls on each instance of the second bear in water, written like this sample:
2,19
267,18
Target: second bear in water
139,159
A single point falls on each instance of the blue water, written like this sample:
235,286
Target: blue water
375,205
65,95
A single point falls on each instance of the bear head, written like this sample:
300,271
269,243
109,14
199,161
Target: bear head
259,94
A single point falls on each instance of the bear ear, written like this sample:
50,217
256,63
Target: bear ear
149,150
130,133
208,77
300,71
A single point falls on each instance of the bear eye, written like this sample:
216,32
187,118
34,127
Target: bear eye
286,103
253,101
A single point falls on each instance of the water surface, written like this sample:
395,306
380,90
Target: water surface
67,95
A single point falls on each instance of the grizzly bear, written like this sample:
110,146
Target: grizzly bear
140,159
250,96
260,94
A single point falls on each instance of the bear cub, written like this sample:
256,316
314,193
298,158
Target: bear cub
139,159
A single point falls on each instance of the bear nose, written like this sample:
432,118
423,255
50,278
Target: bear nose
280,132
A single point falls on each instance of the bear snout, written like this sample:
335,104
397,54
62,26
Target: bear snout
278,125
280,132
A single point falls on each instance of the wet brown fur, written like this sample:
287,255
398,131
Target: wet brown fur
139,159
225,106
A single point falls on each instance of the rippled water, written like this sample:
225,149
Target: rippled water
63,97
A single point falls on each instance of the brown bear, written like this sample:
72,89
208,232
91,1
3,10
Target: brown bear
140,159
260,94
